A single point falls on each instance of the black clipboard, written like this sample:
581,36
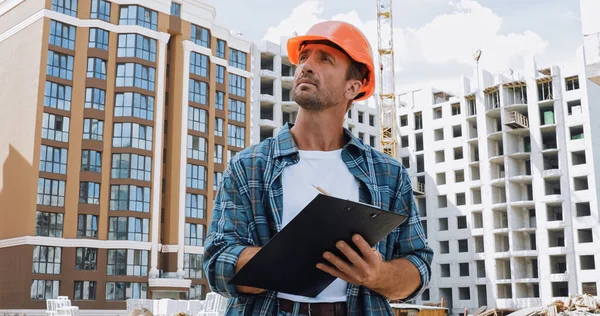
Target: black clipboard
287,263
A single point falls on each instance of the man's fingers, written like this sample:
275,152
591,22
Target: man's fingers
333,271
338,263
352,255
368,253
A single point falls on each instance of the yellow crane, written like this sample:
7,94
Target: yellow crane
387,94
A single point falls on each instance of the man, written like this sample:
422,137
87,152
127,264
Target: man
267,185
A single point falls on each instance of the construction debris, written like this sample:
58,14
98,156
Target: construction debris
580,305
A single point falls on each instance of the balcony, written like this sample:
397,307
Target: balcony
517,120
266,99
267,123
170,280
419,188
267,73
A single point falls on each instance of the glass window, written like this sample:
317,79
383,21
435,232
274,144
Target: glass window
135,75
55,127
196,147
87,226
131,166
93,129
121,291
175,8
129,198
137,15
53,159
95,98
100,10
57,96
197,119
127,262
217,180
84,290
195,205
136,45
237,85
194,234
200,36
195,292
218,154
89,193
198,91
199,64
62,35
68,7
86,258
91,160
220,100
98,39
59,65
51,192
237,110
220,74
49,224
237,59
46,260
128,228
96,68
219,127
192,265
134,104
44,289
236,136
195,177
132,135
221,48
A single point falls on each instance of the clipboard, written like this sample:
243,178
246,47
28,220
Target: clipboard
287,263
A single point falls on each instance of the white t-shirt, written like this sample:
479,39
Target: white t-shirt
327,170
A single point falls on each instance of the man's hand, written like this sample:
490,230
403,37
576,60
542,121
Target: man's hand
245,256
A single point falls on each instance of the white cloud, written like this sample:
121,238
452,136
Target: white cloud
302,18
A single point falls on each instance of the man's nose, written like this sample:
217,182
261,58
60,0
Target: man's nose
306,65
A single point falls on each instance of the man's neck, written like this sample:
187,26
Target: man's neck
319,130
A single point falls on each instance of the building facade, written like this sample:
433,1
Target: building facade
273,105
117,119
507,179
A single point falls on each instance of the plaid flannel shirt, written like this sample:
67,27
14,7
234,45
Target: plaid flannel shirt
248,212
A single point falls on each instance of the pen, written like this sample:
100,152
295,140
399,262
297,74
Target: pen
321,190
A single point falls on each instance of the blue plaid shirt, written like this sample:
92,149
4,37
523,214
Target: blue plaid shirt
248,211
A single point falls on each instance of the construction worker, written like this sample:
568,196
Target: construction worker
267,185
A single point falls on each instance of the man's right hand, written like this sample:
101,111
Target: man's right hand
245,256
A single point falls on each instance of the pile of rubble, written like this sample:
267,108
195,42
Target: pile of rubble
580,305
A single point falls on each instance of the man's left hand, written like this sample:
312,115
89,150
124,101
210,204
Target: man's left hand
366,268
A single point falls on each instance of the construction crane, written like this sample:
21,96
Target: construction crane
387,94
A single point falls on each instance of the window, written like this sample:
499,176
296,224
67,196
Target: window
219,127
418,121
96,68
196,147
194,234
135,75
458,153
585,235
55,127
576,132
98,39
49,224
128,228
175,8
131,166
195,205
360,117
89,193
237,85
126,197
437,113
372,140
51,192
135,105
441,178
62,35
195,292
192,266
461,222
68,7
198,91
438,134
44,289
583,209
197,119
86,259
220,100
100,10
218,176
463,245
237,110
136,45
361,135
236,136
464,293
440,156
121,291
195,177
587,262
136,15
200,36
57,96
46,260
87,226
237,59
53,159
95,98
456,131
84,290
132,135
221,49
572,83
444,247
220,74
589,288
218,154
371,120
199,64
456,109
93,129
127,262
60,65
459,176
443,224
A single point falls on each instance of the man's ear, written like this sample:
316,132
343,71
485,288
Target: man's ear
353,88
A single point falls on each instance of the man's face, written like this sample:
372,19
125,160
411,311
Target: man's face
320,79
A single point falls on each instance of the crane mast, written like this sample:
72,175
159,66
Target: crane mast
387,94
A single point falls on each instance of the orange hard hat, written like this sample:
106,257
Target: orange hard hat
347,37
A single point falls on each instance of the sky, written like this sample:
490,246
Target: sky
434,40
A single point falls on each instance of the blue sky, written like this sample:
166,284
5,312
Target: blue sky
434,39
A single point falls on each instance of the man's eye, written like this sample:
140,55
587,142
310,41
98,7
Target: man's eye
302,58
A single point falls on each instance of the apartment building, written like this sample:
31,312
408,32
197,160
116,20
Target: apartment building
507,179
117,119
273,105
